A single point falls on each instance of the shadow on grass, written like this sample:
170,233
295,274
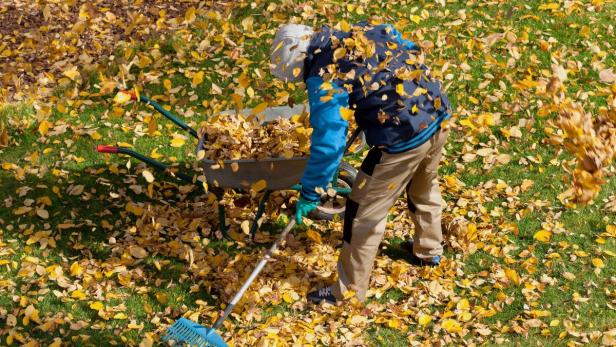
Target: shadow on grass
87,210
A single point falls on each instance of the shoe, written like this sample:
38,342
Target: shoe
322,294
415,260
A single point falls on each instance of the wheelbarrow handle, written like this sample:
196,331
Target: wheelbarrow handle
175,119
150,161
106,149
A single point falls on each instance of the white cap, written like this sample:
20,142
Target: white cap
289,51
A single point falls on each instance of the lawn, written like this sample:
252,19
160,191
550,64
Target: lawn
91,253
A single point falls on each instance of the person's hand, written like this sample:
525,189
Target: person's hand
303,208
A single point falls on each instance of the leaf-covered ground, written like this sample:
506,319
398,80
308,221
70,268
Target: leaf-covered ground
92,253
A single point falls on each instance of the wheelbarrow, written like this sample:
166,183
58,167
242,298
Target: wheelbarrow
278,173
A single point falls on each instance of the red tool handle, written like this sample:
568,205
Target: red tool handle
106,149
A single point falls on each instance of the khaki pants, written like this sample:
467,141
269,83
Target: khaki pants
382,179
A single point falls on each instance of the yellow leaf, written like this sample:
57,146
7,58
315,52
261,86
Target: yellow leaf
596,262
259,108
543,235
178,140
148,176
339,53
197,78
424,320
76,269
415,18
167,84
394,323
107,87
287,298
163,298
96,136
78,294
512,276
451,326
314,236
346,113
400,89
22,210
121,98
71,73
97,305
8,166
296,71
44,127
120,315
190,15
463,305
124,144
134,209
344,25
258,186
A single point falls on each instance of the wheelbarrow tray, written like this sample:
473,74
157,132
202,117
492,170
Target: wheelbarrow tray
278,173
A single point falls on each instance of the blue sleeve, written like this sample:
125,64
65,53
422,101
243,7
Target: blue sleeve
328,139
404,43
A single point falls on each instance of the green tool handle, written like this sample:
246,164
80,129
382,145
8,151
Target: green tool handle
150,161
254,274
169,115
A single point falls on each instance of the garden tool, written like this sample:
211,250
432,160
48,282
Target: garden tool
193,334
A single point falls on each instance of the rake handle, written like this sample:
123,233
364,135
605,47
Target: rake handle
254,274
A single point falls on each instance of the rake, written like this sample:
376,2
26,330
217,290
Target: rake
185,331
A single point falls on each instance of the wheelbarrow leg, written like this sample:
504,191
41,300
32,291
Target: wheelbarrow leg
218,193
255,224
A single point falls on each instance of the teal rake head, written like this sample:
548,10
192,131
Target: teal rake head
187,332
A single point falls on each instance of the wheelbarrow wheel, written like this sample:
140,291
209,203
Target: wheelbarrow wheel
329,206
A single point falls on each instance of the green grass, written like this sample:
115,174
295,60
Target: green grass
73,154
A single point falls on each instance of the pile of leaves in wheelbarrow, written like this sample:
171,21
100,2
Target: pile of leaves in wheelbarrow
239,137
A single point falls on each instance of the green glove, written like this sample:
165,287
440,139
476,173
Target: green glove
303,208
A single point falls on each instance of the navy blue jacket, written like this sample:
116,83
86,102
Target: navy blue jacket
395,102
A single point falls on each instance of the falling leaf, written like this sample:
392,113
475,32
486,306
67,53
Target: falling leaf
258,186
346,113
